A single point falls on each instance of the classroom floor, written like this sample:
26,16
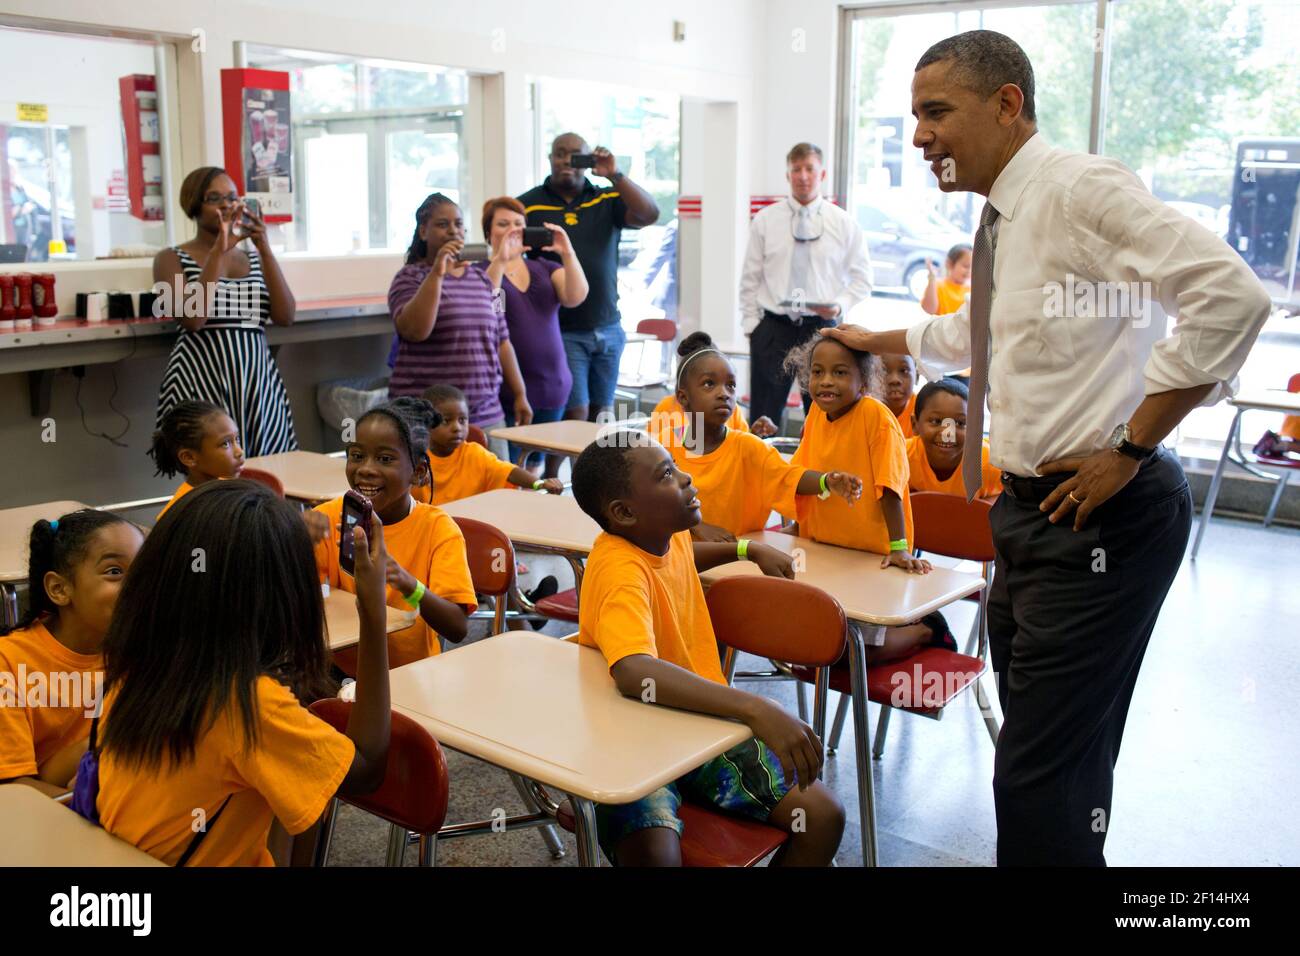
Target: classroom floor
1206,778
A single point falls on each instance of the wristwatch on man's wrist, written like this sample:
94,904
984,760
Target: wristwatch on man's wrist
1120,442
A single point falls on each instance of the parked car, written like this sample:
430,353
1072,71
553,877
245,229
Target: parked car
901,235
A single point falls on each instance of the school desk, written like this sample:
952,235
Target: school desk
343,621
548,711
566,438
15,532
307,476
36,830
873,598
1267,400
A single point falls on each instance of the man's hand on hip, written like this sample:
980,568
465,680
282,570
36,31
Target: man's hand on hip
1098,478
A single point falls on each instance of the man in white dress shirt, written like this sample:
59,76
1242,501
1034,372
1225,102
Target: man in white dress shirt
806,265
1076,268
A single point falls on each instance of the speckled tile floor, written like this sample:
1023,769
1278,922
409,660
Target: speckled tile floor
1206,777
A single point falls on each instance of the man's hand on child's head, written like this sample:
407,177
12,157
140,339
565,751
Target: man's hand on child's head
794,742
318,526
773,562
848,487
553,486
908,562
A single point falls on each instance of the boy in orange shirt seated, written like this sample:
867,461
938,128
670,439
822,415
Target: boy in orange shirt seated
458,467
642,605
934,453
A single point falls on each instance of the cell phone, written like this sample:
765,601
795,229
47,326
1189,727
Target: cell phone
536,237
356,511
253,207
582,160
475,252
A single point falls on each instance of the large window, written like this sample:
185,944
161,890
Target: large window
642,129
1201,100
372,138
64,179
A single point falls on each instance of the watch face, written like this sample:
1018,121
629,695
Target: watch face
1119,435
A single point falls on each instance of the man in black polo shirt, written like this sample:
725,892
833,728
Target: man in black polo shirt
593,217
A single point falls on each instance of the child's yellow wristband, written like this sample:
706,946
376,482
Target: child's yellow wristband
413,599
742,549
899,545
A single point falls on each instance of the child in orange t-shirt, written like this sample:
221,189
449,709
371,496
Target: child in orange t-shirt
946,295
934,453
427,566
74,574
741,479
669,418
206,738
459,468
899,392
643,607
200,440
848,430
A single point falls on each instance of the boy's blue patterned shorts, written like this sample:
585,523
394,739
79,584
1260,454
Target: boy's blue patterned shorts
746,780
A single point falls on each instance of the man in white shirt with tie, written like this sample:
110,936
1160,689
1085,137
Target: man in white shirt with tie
805,267
1076,267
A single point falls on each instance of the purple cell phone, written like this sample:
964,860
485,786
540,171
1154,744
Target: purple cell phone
356,511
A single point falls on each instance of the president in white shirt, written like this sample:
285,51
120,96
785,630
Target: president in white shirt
805,267
1076,269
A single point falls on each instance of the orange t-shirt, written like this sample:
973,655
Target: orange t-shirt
951,295
41,716
741,482
923,478
905,419
470,470
428,544
867,442
668,421
634,602
290,774
1291,427
181,492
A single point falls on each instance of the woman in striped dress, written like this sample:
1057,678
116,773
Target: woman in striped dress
451,328
221,355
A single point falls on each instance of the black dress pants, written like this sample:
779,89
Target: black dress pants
1070,615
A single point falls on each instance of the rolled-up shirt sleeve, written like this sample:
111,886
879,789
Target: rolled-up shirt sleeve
941,344
1124,233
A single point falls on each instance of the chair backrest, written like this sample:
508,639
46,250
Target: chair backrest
952,526
773,617
491,557
476,435
263,478
665,330
414,792
1293,384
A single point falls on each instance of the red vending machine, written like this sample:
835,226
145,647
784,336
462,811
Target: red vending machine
143,148
258,141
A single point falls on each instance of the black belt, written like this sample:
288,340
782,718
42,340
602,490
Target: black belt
812,320
1033,488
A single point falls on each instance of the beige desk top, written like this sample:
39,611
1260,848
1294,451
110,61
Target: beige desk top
15,530
546,521
1275,400
563,437
549,710
344,623
37,831
868,593
306,475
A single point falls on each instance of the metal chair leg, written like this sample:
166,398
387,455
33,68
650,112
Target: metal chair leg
973,640
882,728
841,711
549,836
986,710
429,849
1282,479
802,700
397,837
862,747
1216,482
326,836
584,817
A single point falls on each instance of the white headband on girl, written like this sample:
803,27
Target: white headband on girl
687,361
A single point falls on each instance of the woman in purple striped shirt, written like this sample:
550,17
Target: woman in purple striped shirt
449,331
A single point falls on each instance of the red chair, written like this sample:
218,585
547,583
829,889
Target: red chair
476,435
264,478
413,796
950,526
491,559
562,606
663,331
1285,465
810,630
